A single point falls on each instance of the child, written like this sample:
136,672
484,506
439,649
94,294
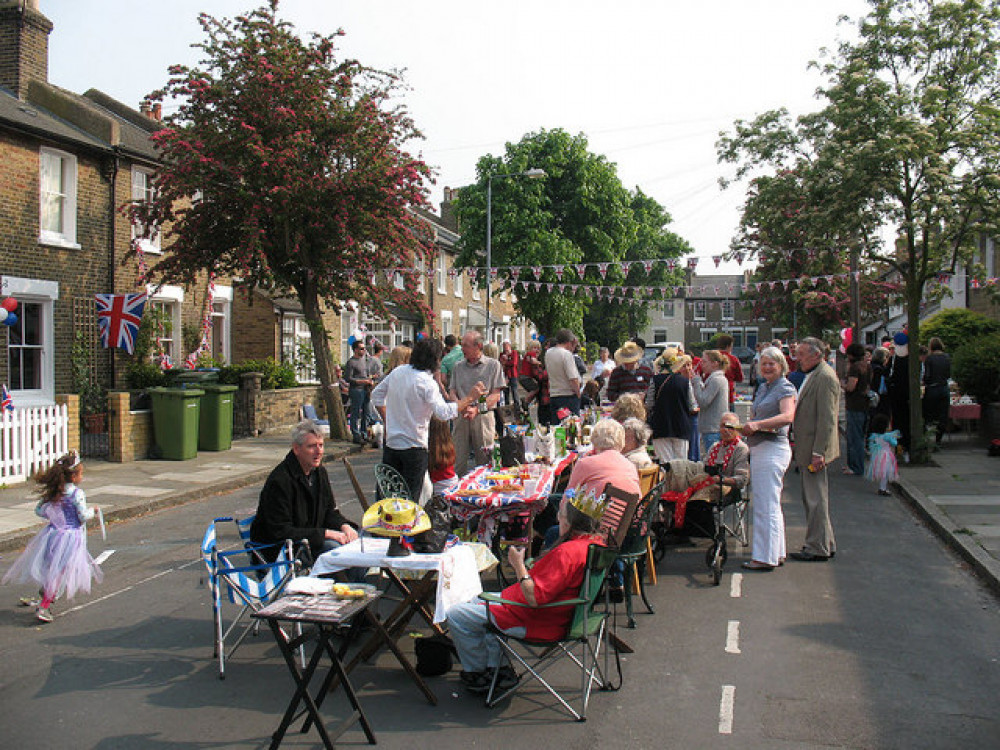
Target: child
882,467
57,558
441,459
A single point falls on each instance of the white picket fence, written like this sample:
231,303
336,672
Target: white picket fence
31,438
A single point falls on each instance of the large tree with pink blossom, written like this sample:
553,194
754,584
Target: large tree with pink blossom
285,167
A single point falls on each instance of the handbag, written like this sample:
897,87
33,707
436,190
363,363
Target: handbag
511,451
434,539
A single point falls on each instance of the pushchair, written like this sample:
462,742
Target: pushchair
697,504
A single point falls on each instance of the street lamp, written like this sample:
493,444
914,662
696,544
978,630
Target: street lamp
533,174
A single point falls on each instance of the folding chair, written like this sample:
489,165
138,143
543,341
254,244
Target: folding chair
309,412
362,499
249,580
582,644
649,477
634,550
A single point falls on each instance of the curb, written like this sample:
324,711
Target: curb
985,566
16,539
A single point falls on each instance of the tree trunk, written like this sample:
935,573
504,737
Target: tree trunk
324,363
919,449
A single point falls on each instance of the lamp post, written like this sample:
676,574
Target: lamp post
532,174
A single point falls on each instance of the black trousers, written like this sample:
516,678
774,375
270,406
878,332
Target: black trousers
411,463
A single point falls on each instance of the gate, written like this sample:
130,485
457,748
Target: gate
31,439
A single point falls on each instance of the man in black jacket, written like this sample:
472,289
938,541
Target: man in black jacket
297,502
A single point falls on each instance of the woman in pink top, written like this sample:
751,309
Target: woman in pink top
606,463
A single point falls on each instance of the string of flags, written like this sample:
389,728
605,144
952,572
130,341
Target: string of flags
6,402
191,361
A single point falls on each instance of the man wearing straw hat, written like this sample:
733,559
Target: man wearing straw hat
631,375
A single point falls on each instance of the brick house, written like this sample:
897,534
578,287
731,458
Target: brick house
68,162
712,305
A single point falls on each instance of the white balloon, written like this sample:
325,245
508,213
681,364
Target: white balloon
3,315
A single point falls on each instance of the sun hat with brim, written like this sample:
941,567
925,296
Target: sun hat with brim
394,516
667,358
680,363
628,353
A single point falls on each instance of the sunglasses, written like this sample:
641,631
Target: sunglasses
730,426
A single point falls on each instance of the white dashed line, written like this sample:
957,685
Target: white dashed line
733,637
726,709
736,585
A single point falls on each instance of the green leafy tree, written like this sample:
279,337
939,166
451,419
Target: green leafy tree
957,327
907,139
284,166
580,213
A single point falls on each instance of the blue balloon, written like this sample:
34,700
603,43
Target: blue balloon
11,319
351,340
534,337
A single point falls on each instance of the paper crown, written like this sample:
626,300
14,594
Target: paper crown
588,503
394,516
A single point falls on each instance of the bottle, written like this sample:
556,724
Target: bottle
496,456
483,408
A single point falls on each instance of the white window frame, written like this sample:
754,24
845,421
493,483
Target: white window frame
699,310
477,294
708,333
441,272
421,267
222,319
44,293
295,330
661,335
143,191
728,309
173,298
447,323
459,283
667,308
66,165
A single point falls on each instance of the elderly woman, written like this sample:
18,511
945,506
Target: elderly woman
555,576
770,453
730,453
605,463
671,404
637,435
628,405
711,391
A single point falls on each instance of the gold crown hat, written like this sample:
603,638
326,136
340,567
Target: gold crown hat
589,504
395,516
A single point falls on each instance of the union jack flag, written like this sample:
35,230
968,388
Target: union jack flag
6,402
118,317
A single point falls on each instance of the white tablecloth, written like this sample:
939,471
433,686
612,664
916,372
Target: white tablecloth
375,555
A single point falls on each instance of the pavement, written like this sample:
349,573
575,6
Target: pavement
127,490
957,495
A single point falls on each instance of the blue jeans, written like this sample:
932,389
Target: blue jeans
359,412
477,647
708,439
856,441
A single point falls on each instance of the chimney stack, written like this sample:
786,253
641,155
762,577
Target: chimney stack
158,112
24,45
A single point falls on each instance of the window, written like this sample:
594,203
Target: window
752,337
659,335
143,191
30,373
165,304
221,313
707,334
397,280
421,267
296,347
442,274
700,307
737,335
667,306
728,309
447,325
57,178
477,294
458,281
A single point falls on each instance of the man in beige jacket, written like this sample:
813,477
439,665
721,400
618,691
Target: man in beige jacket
817,443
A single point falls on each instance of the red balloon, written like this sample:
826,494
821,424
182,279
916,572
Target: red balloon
9,304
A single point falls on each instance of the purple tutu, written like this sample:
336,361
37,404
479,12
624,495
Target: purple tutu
883,465
57,558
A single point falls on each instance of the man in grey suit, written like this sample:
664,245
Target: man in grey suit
817,443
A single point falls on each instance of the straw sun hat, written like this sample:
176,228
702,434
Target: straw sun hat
628,353
394,516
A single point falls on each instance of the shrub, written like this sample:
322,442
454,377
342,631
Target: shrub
957,327
142,375
277,375
975,368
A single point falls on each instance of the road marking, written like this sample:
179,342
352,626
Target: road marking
129,588
736,585
733,637
726,709
103,556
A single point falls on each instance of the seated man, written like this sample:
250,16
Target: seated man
556,576
730,454
297,502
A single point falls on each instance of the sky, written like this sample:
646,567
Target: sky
650,83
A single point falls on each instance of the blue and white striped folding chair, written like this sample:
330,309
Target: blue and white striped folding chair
250,582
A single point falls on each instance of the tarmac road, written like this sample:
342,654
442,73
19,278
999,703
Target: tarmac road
891,645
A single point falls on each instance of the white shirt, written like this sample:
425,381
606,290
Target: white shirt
562,370
602,368
410,398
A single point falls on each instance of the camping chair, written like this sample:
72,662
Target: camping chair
390,483
649,477
309,412
635,549
582,643
249,580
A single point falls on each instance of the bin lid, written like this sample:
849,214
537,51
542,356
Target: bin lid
161,392
218,387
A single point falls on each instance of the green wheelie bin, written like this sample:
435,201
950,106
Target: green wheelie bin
175,421
215,428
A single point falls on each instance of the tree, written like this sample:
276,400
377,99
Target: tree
580,213
300,179
907,138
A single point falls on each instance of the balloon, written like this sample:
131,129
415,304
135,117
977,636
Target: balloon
534,337
420,336
351,340
9,304
3,315
10,320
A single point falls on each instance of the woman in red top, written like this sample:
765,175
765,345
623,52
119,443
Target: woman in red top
510,360
533,367
441,456
556,576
